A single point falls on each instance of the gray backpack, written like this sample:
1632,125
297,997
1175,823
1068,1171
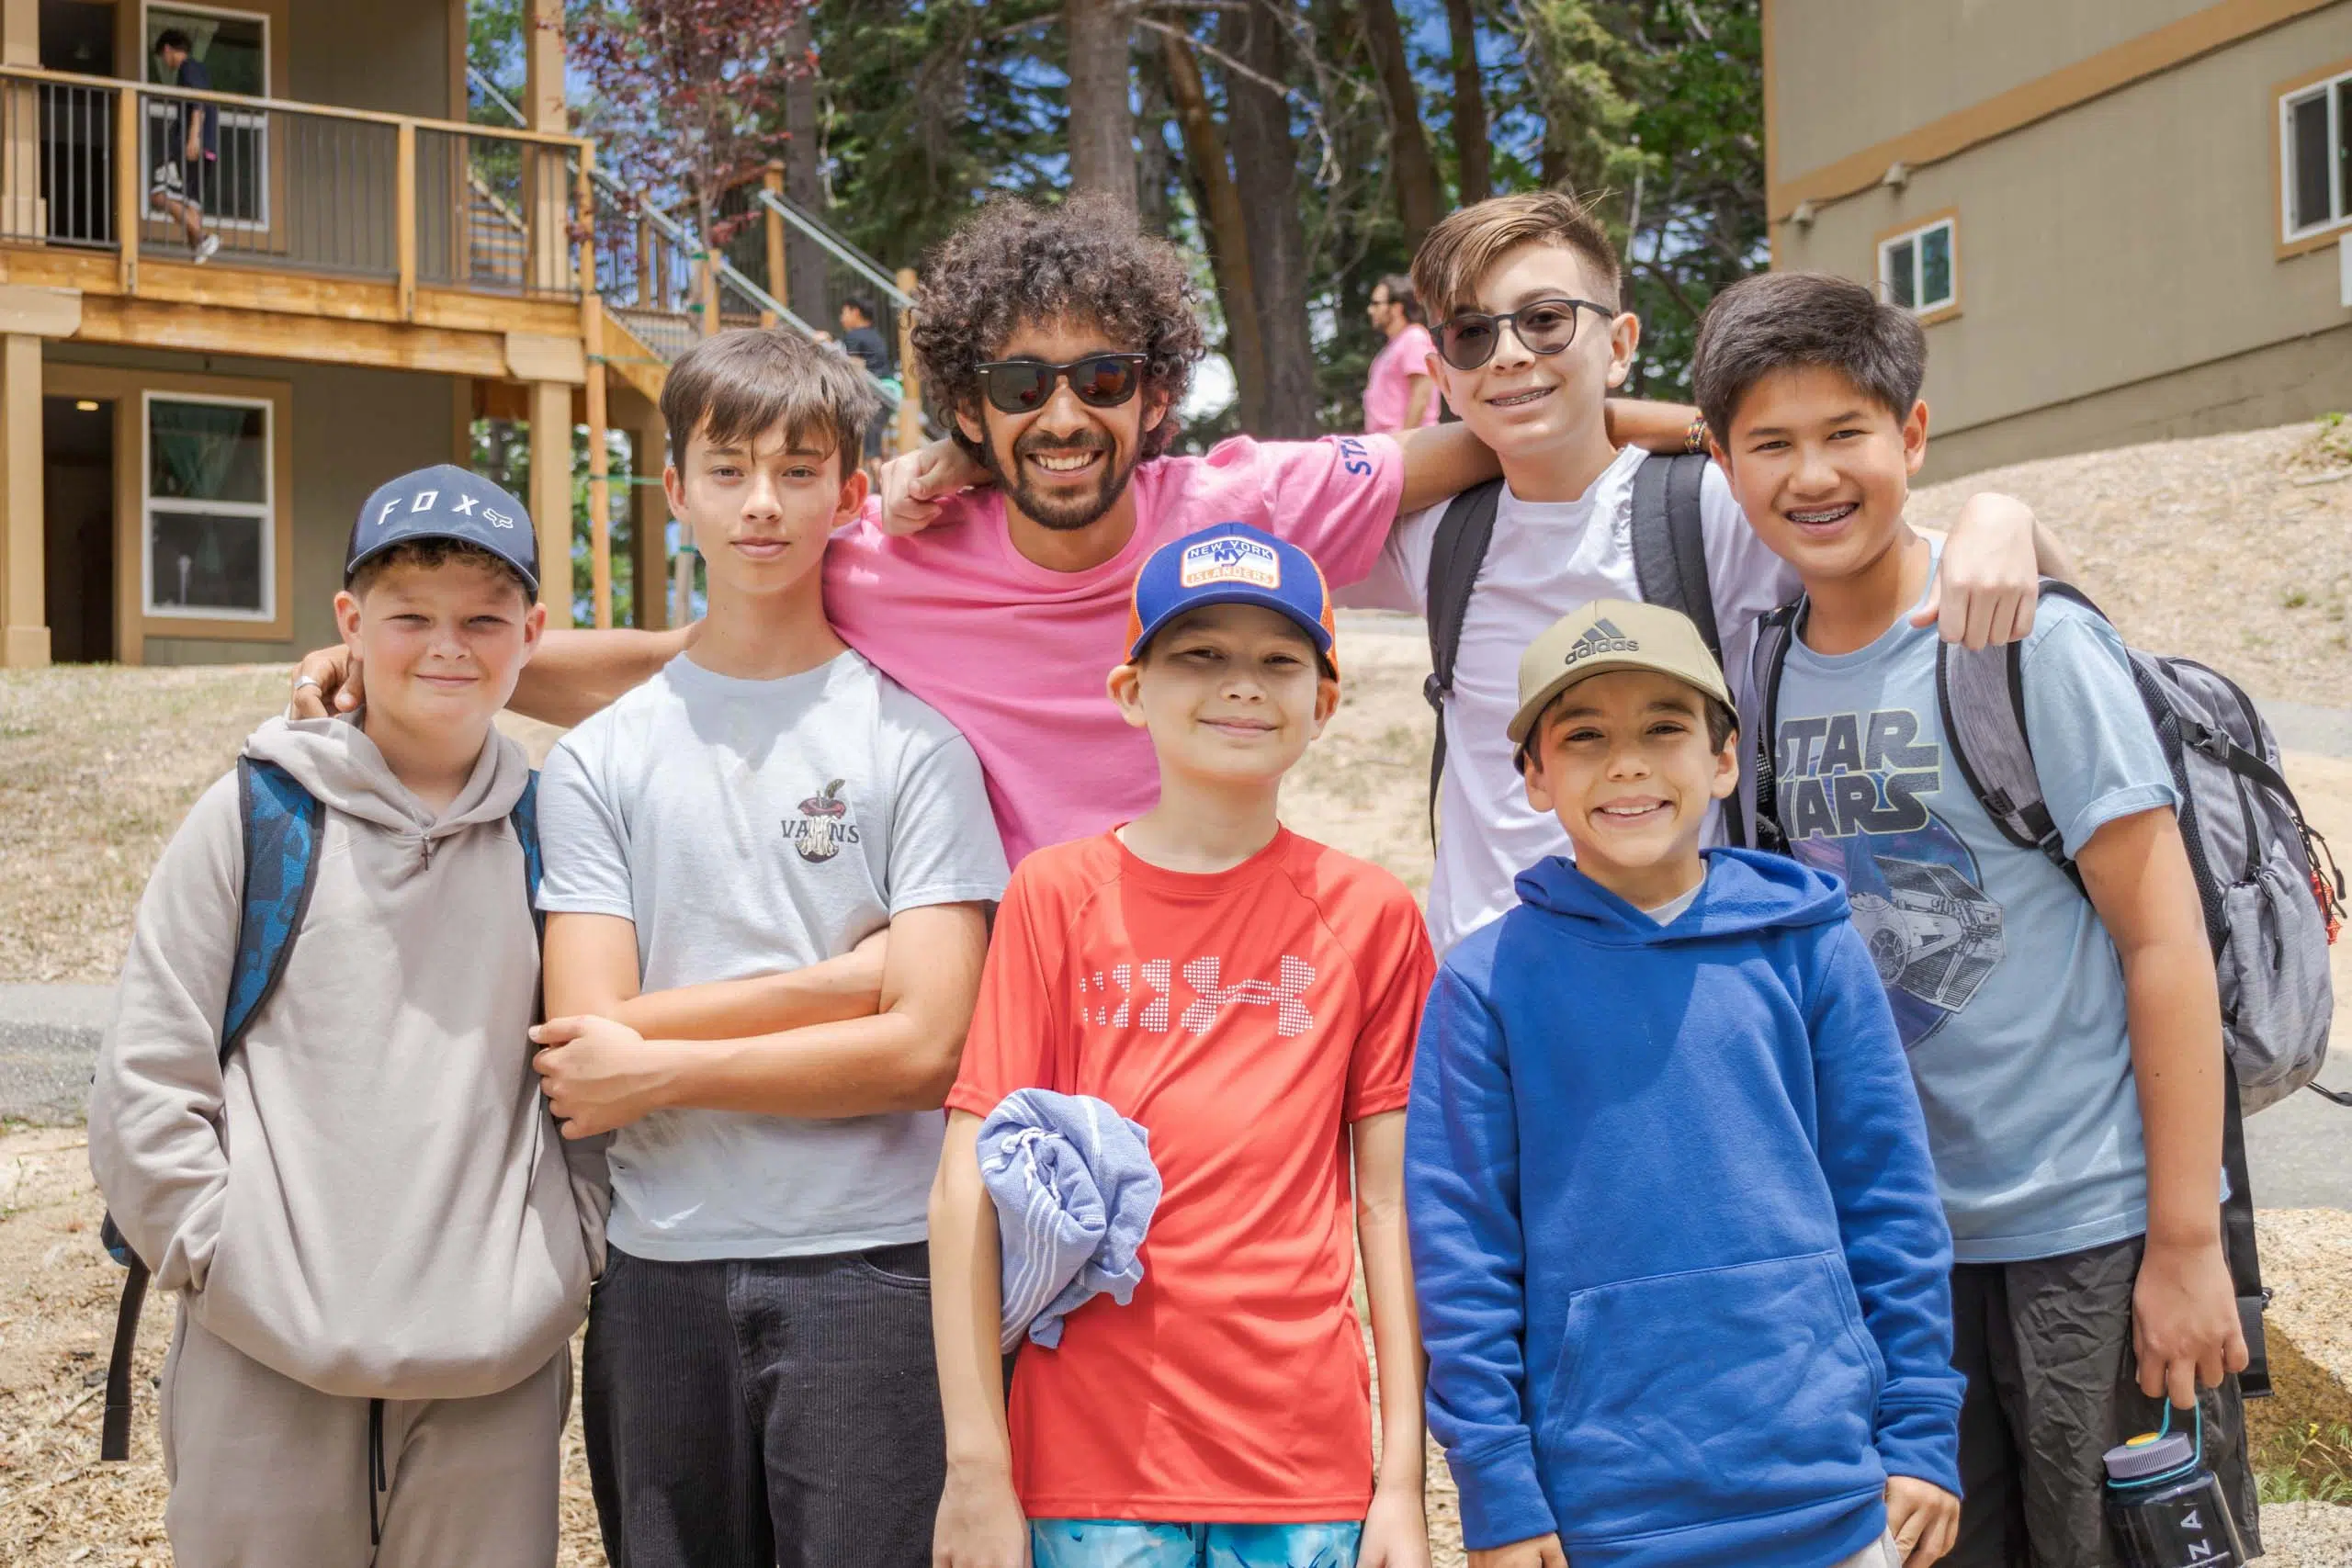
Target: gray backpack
2272,894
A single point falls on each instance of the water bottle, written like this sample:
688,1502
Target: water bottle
2165,1508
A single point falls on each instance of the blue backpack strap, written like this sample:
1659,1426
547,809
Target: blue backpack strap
283,827
526,818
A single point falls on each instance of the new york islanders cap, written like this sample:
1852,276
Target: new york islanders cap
1606,635
1232,563
445,502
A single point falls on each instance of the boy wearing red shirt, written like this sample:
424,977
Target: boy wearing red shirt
1250,997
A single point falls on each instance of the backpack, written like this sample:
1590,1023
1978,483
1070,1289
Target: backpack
1669,562
2272,895
282,824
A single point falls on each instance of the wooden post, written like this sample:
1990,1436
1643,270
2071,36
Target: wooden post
646,298
649,523
773,184
404,219
708,280
592,334
550,498
24,596
130,185
543,182
910,377
25,218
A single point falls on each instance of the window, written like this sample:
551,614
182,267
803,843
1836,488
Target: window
208,511
1919,268
2315,156
231,49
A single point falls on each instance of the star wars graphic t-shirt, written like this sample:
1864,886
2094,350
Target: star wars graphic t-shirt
2005,985
750,827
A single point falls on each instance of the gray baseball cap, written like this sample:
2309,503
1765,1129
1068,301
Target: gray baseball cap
445,502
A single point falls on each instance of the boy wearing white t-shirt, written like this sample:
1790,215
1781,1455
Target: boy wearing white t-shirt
724,844
1523,296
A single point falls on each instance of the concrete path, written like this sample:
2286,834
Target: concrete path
48,1043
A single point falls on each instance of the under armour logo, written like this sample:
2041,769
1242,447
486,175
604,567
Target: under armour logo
1211,998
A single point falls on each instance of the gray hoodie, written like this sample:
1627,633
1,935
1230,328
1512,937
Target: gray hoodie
371,1197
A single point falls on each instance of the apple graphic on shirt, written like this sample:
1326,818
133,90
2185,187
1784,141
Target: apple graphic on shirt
822,815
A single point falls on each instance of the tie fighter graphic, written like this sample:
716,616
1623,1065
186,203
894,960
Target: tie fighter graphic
1933,933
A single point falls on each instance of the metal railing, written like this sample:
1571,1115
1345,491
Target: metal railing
495,212
57,162
269,183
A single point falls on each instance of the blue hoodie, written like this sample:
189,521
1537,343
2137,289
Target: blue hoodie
1683,1273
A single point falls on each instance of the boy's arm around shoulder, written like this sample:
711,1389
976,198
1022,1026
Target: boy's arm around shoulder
156,1102
1469,1253
1872,1144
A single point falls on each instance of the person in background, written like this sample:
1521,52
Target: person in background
191,146
1399,393
861,341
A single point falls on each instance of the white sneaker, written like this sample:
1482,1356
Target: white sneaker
204,251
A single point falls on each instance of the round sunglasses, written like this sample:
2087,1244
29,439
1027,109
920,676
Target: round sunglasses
1098,381
1468,339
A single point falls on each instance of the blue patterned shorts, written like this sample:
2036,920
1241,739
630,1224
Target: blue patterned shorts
1115,1543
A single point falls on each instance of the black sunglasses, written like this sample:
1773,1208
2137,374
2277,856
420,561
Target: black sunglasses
1099,382
1468,340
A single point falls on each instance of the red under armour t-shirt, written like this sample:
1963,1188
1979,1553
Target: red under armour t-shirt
1243,1018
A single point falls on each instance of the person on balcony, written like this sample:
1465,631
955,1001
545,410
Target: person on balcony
191,151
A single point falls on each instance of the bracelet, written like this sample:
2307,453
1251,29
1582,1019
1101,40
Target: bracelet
1695,438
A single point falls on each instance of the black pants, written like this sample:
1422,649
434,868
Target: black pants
778,1411
2053,1384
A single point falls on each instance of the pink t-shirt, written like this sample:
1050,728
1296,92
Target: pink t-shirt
1016,655
1388,390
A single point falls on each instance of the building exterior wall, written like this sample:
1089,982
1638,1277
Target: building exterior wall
1854,73
388,55
2131,238
351,429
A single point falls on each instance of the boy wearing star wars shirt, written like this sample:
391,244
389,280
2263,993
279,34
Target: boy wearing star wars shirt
722,843
2066,1040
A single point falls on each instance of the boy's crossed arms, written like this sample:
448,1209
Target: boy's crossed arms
879,1028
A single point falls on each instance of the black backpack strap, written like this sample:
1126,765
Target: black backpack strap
1457,552
1766,663
2238,1243
1670,541
281,826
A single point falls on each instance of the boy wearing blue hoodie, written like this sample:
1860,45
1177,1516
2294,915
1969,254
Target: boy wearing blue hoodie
1680,1261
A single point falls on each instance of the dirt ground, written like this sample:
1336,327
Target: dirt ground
96,767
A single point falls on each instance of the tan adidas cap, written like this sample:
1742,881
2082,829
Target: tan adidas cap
1612,634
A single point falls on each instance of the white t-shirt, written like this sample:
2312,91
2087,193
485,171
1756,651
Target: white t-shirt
750,827
1546,558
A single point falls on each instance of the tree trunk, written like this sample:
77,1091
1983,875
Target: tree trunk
1265,173
1418,201
1228,239
1155,164
1470,148
1101,126
804,186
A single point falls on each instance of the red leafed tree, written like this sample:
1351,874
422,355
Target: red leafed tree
688,94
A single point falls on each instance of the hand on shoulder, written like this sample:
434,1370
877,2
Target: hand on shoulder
915,484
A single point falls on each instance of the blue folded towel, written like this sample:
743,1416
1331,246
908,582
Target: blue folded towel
1074,1189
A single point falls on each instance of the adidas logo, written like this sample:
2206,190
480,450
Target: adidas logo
1602,638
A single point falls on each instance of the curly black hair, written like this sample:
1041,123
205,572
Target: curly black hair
1085,260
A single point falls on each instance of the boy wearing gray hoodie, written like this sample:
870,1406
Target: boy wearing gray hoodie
380,1245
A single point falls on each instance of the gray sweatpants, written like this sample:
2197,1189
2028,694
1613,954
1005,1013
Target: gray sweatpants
267,1471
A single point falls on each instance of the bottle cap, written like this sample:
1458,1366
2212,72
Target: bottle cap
2149,1453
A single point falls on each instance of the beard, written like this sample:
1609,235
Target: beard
1062,513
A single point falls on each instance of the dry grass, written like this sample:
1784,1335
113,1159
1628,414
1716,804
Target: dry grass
97,766
2206,547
